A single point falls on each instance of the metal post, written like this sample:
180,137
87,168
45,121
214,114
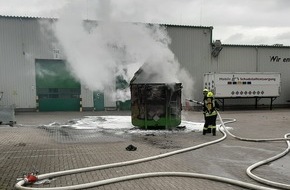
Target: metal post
145,108
256,103
271,104
166,109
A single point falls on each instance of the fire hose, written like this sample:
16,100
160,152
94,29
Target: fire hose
223,130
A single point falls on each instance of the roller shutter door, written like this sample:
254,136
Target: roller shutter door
57,90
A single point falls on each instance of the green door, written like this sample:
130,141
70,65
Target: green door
122,84
99,104
125,105
56,88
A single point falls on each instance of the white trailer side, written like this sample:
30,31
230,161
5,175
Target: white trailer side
244,85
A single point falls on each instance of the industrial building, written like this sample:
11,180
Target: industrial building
25,51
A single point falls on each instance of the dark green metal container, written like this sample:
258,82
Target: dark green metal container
156,105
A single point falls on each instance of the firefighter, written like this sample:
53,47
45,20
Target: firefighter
210,112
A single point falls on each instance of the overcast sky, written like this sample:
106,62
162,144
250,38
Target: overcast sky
250,22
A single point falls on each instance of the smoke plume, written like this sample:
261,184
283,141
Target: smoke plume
100,50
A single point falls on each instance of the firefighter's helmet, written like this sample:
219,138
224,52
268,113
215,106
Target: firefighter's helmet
205,92
209,94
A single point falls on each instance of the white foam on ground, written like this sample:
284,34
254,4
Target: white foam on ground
119,123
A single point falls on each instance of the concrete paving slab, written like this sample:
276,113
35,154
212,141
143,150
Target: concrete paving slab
28,146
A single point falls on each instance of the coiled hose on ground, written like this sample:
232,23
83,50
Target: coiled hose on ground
223,130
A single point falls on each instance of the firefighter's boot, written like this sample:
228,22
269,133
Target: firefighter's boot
208,130
214,131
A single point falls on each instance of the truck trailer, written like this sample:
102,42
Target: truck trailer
236,85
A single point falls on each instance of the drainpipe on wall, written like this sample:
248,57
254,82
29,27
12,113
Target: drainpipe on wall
22,37
257,59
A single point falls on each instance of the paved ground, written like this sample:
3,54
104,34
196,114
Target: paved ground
29,145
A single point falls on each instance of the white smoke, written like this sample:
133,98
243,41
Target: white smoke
99,51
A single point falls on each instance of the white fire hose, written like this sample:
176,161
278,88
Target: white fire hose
223,130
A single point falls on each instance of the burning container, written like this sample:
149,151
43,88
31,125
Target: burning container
155,105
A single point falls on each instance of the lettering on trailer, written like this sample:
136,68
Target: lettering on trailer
245,80
279,59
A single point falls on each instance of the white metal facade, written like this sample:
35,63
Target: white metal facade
22,40
236,58
21,43
192,47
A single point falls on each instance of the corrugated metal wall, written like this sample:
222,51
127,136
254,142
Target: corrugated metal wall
266,63
192,47
257,59
22,40
87,97
236,59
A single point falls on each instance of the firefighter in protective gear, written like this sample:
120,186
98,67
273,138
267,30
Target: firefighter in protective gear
210,112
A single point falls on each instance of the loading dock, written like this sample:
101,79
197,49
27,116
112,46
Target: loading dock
56,89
